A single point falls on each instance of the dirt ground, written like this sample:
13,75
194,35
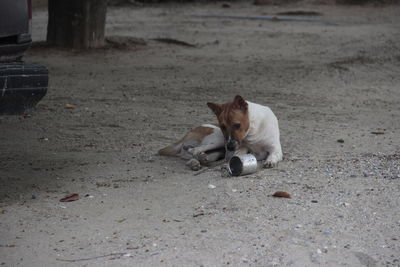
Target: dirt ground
334,85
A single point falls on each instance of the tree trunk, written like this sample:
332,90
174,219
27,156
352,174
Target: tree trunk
76,24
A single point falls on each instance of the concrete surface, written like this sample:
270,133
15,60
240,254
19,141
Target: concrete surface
333,85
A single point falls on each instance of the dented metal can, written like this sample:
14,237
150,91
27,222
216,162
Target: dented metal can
242,164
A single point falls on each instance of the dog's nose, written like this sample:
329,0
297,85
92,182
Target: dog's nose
230,146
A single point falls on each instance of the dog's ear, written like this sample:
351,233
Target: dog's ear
240,103
216,108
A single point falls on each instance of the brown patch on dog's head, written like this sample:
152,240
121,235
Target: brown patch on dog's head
233,118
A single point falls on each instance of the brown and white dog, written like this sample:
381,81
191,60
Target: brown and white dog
244,127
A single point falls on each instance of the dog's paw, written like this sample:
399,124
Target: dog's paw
270,164
272,160
193,164
202,157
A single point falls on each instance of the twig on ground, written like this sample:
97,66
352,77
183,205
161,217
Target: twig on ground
93,258
209,168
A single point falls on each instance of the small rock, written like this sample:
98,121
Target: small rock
211,186
225,171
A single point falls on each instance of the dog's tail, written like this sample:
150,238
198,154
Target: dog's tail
171,150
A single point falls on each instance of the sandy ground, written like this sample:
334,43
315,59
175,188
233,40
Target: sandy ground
326,81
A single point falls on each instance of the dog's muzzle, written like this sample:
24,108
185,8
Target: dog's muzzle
231,144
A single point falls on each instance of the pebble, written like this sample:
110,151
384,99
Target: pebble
225,171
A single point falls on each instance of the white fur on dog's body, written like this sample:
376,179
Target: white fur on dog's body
210,142
262,137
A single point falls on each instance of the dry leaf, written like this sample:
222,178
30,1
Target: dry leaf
25,116
69,106
70,198
281,194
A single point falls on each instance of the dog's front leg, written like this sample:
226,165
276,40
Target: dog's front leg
242,150
275,155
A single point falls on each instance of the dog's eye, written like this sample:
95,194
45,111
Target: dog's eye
223,128
236,126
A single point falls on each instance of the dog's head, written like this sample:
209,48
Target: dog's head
233,118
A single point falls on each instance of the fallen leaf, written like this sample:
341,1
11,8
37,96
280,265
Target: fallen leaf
69,106
70,198
281,194
25,116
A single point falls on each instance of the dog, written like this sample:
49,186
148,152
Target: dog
244,127
249,128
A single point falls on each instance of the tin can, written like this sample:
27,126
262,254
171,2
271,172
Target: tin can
242,164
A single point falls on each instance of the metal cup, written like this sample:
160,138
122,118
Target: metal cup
242,164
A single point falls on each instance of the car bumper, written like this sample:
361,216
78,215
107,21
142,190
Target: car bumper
22,86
